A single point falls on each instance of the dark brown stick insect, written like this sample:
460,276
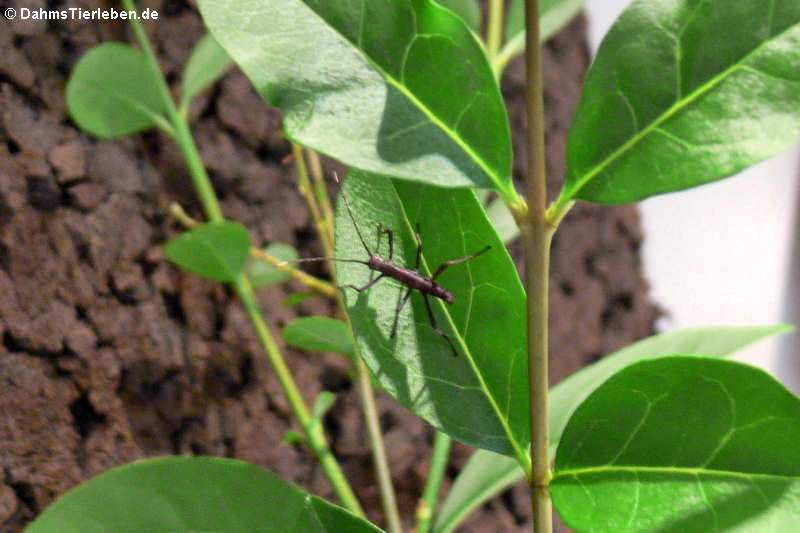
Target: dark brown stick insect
412,279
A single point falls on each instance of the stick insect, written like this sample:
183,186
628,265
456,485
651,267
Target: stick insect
412,279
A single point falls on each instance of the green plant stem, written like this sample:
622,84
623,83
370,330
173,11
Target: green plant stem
183,136
321,190
322,287
504,56
430,496
494,31
315,436
308,280
382,472
537,233
305,188
325,228
313,431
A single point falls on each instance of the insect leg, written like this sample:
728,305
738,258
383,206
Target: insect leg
397,311
419,248
435,327
390,233
365,287
452,262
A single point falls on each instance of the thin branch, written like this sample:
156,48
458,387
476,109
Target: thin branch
382,472
306,279
324,228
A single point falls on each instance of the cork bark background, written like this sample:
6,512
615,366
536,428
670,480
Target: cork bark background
110,354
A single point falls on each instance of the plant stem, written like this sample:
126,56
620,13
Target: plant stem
183,136
325,228
315,436
314,433
321,190
382,473
537,233
494,31
308,280
430,496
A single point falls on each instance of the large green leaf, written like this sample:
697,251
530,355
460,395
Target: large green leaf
214,250
193,495
710,342
479,394
682,444
684,92
487,473
111,92
399,87
207,64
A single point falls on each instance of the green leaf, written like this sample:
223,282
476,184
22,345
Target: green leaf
487,473
293,438
502,220
478,396
674,99
682,444
322,404
709,342
553,15
262,273
319,334
398,87
468,10
214,250
111,92
297,298
193,494
207,64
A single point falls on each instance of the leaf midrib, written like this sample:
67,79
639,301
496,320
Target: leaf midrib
426,111
688,471
522,458
156,118
672,110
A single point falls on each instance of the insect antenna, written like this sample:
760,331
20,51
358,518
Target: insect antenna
350,212
312,259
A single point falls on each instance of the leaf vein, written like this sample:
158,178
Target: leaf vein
675,108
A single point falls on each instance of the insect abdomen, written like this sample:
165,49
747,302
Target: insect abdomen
410,278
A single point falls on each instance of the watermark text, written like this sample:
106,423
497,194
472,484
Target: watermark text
78,13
